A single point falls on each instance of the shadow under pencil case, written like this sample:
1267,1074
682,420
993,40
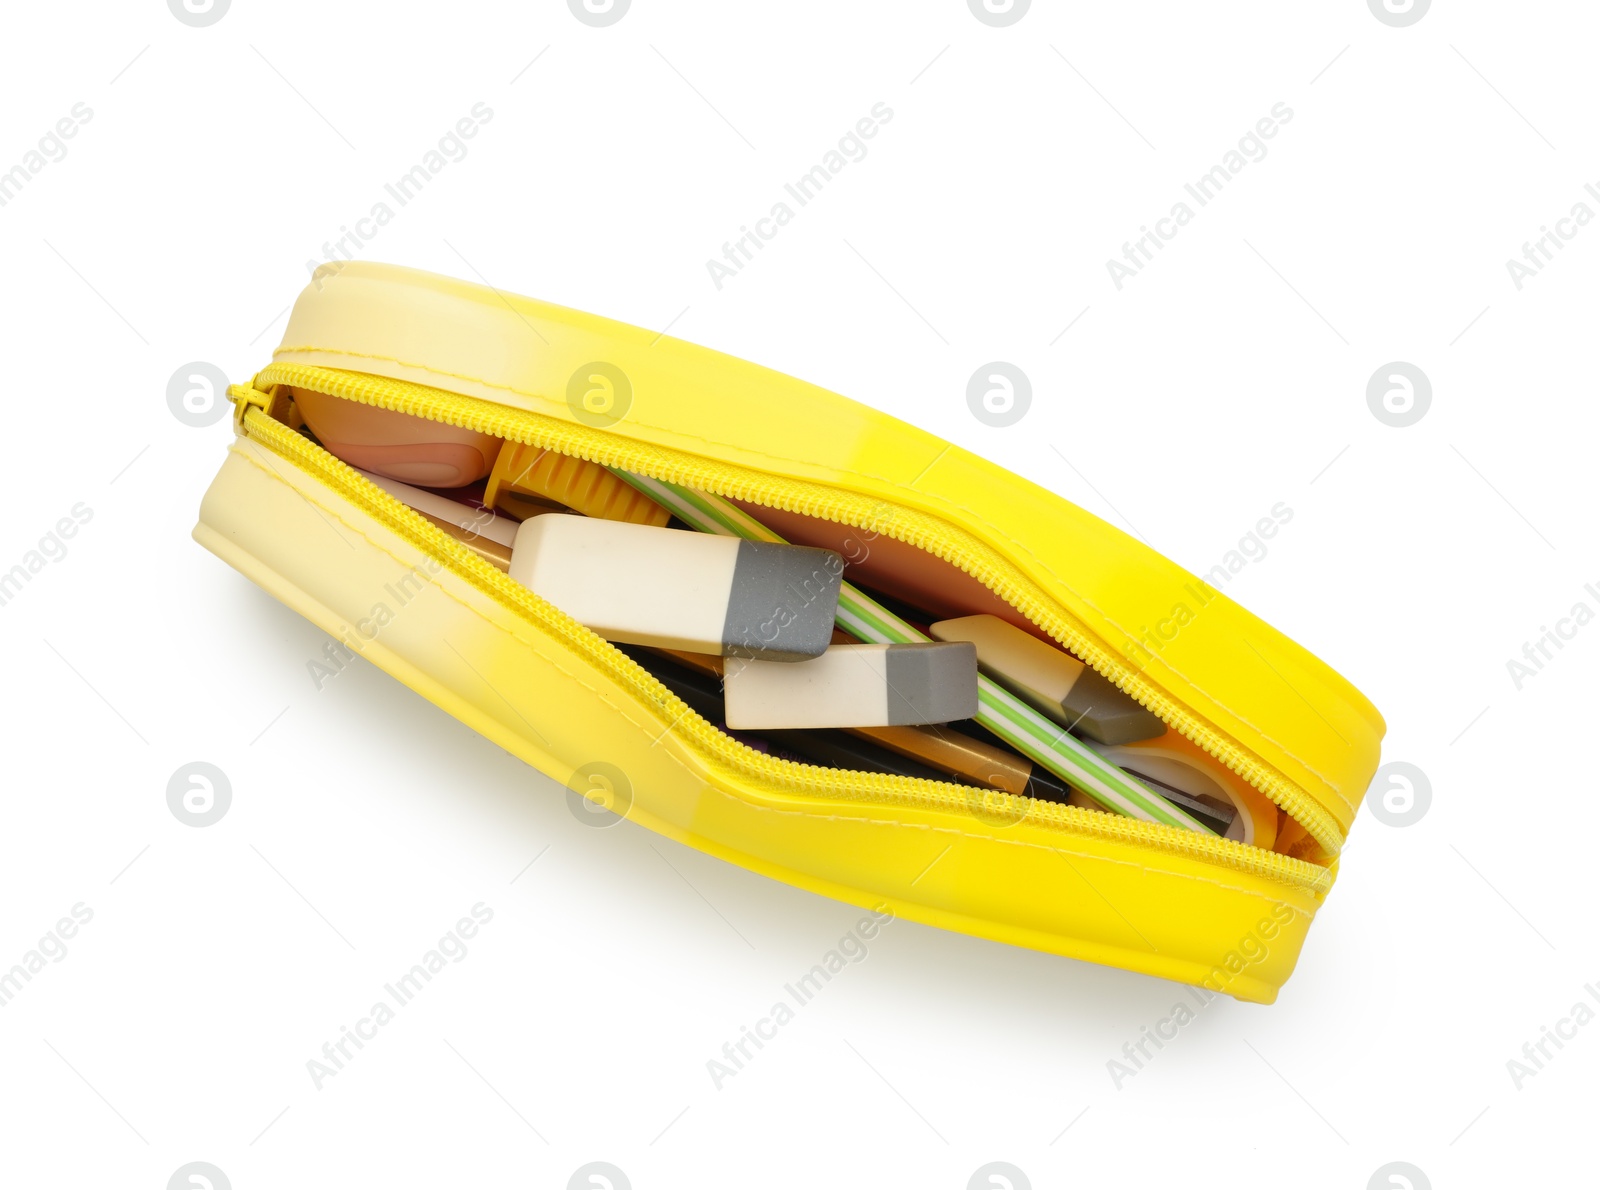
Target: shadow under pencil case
1062,878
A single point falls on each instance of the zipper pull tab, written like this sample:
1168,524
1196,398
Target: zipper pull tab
243,397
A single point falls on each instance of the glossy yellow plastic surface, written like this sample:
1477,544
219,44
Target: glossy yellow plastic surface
1069,881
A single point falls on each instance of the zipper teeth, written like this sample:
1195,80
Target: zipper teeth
609,450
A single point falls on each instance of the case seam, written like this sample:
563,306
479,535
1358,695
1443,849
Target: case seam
950,830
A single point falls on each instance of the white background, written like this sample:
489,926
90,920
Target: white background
1227,376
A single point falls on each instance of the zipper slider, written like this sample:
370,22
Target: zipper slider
243,397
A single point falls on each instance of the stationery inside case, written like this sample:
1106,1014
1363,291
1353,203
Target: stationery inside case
483,490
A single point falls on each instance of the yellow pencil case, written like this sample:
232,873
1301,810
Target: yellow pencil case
1059,878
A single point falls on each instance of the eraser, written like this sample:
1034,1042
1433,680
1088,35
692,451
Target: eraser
403,447
856,686
1052,680
940,748
543,475
678,589
695,678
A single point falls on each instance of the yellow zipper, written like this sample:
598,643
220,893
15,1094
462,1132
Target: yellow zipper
254,409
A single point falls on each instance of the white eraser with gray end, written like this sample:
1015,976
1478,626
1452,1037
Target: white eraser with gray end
855,686
677,589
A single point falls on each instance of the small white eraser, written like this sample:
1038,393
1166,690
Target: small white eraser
1052,680
854,686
